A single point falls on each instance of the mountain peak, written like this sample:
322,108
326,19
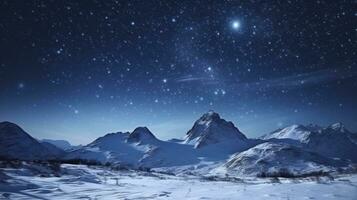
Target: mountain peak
110,137
8,125
210,115
210,128
9,128
15,143
337,127
297,126
141,134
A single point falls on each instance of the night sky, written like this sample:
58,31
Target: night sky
76,70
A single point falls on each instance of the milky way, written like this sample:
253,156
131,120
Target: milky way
80,69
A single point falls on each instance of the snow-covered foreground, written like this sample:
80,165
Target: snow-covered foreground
81,182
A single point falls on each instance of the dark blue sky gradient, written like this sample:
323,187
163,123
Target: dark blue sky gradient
79,69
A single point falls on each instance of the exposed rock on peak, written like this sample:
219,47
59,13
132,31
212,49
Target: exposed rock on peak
142,135
338,127
212,129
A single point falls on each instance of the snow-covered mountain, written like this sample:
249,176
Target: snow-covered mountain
332,141
294,132
207,145
142,135
62,144
210,141
139,148
211,130
211,138
113,148
15,143
272,158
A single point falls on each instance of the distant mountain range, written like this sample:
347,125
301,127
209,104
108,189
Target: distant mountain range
212,146
61,144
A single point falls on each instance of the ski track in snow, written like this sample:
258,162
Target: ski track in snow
81,182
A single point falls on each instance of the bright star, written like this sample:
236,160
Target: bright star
236,25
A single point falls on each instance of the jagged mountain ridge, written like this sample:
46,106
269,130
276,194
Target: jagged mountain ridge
332,141
210,142
294,132
218,137
139,148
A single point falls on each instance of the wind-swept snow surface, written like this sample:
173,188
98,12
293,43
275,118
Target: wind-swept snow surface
81,182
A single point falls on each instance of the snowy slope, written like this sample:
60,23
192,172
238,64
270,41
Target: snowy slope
112,148
294,132
274,158
139,148
333,141
15,143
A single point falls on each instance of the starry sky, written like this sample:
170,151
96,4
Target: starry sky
76,70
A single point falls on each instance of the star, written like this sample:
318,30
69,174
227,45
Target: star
21,85
235,25
230,59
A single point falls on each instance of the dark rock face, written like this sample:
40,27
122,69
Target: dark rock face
142,135
15,143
